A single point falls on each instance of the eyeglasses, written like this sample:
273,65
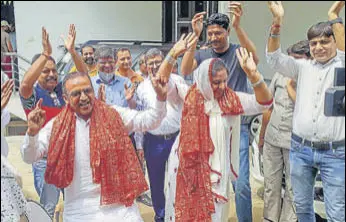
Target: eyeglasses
152,63
78,93
47,71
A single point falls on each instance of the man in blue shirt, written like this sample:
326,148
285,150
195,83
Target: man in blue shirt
114,84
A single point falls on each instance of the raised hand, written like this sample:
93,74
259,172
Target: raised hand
247,62
160,88
185,43
197,23
47,47
129,92
6,92
70,40
36,119
335,9
277,9
235,9
102,93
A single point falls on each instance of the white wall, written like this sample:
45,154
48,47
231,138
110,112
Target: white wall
299,17
139,20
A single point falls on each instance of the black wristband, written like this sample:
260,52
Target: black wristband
337,20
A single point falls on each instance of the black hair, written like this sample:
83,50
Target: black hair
218,19
300,48
35,57
87,46
320,29
120,50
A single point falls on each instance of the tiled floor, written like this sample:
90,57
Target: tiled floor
147,212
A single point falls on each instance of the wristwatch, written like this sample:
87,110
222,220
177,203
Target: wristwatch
337,20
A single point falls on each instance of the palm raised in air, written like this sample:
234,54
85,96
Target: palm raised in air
36,119
246,61
70,40
276,8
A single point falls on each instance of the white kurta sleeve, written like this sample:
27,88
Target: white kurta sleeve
35,147
250,104
141,121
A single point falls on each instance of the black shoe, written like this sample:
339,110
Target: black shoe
145,199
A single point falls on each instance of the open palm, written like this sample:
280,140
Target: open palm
276,8
69,41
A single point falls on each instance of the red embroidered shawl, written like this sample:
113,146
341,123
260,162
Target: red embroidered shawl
113,159
194,199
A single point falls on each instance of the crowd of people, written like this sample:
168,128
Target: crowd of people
91,136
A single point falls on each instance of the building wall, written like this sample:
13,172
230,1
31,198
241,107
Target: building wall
299,16
139,20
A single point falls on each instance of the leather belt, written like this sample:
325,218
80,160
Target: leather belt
318,145
165,136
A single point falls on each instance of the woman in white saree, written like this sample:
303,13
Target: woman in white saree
204,157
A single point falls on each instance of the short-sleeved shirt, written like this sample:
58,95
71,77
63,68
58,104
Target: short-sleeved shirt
115,91
279,129
237,79
52,103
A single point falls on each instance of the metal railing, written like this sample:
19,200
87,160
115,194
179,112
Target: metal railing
16,71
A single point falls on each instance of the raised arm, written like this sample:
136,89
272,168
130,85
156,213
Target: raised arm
185,43
338,28
70,46
262,92
278,12
235,9
189,63
278,61
31,76
36,140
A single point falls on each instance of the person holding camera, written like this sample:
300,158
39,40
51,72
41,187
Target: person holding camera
318,141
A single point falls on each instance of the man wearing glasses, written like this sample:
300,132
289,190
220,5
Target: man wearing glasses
41,82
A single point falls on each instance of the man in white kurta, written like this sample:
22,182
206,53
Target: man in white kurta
82,196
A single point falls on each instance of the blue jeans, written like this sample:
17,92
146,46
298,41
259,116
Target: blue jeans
306,162
242,187
48,193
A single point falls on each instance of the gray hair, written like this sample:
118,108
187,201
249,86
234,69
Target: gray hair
104,52
153,52
218,65
73,75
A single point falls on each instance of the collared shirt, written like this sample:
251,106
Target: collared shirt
52,103
92,72
82,196
115,91
177,89
279,129
309,121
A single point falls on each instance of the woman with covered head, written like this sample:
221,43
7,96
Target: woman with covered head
204,157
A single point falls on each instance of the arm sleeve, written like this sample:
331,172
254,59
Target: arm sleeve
35,147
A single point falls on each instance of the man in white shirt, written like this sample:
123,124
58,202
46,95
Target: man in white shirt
318,141
158,142
90,153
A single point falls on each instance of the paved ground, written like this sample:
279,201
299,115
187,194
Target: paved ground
147,212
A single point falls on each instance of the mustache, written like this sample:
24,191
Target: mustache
51,78
89,60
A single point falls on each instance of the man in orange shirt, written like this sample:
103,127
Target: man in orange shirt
124,63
